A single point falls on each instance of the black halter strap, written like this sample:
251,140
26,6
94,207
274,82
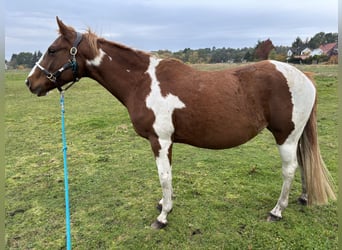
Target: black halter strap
71,64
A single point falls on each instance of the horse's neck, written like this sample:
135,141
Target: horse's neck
120,69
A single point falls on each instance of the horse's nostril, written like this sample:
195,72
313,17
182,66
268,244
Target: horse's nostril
27,82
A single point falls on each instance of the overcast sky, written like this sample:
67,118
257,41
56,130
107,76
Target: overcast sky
169,24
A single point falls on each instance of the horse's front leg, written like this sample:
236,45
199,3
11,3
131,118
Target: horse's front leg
163,160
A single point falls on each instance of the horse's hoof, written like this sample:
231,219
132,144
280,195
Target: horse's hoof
273,218
302,201
159,207
158,225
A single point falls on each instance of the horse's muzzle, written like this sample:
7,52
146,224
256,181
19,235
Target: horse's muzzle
39,91
27,82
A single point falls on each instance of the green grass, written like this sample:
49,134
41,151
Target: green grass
221,197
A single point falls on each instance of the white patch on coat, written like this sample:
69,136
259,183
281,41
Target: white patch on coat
97,60
303,94
162,108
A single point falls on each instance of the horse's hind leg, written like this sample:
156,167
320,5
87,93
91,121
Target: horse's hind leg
303,199
289,164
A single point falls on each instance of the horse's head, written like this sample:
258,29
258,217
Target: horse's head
62,63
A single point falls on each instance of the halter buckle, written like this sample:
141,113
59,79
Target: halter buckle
73,51
51,77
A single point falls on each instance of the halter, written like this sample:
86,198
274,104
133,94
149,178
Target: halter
71,64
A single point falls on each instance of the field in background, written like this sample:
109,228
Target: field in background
221,197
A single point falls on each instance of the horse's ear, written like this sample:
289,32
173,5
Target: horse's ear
65,30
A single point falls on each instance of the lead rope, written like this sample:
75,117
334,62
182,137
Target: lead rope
66,185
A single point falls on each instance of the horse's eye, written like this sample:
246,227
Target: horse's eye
51,51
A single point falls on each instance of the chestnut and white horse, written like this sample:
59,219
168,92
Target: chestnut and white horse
169,102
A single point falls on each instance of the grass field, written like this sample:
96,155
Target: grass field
221,197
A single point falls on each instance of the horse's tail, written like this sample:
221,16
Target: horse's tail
319,184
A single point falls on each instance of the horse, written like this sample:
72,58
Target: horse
170,102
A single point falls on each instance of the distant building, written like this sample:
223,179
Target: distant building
316,52
289,53
305,52
329,49
302,54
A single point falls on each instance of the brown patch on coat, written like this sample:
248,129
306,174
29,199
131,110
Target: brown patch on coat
227,108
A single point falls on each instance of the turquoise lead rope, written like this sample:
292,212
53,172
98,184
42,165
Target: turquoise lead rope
66,184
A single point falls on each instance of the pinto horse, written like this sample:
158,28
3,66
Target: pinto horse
169,102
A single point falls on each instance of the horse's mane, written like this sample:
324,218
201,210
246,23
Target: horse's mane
93,39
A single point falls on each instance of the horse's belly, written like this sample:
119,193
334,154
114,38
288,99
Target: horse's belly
214,136
212,143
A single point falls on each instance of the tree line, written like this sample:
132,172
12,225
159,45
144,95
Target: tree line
261,51
23,60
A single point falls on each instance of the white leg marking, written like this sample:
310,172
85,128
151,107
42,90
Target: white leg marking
165,177
97,60
162,108
289,165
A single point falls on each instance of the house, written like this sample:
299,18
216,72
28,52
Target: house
305,52
329,49
317,52
301,54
